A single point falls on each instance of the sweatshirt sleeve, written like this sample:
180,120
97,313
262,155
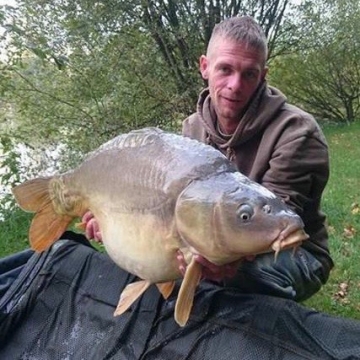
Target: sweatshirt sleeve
299,168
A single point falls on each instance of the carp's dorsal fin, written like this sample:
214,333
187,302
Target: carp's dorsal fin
130,294
47,227
166,288
32,194
186,294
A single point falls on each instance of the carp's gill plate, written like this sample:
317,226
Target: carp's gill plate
154,193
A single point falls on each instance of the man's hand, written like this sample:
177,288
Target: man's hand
211,271
92,230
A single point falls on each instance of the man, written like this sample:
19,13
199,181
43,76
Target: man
274,143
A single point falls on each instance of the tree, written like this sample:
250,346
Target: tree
91,84
325,76
182,29
107,67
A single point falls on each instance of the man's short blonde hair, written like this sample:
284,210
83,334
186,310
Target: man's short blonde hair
244,30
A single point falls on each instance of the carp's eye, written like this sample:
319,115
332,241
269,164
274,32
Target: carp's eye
245,212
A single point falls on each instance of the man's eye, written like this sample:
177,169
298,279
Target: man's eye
225,70
250,75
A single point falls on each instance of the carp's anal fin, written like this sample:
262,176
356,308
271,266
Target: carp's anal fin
47,227
130,294
166,288
186,294
33,194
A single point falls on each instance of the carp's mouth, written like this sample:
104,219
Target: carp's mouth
290,237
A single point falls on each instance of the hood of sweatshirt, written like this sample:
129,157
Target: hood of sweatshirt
260,111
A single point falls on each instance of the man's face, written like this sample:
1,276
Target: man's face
233,72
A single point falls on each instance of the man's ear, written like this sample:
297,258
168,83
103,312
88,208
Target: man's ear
204,67
264,72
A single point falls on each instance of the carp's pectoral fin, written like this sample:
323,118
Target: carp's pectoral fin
130,294
166,288
47,227
186,294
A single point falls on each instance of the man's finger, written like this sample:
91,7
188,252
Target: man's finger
206,263
87,216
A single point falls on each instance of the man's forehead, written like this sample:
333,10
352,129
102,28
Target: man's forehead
222,49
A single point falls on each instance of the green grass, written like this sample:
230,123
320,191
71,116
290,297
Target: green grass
13,232
341,202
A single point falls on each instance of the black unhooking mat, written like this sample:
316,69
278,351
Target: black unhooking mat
61,307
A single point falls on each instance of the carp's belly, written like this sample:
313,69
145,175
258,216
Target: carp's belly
142,245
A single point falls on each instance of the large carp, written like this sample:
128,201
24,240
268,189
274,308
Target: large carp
154,193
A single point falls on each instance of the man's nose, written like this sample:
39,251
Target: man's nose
235,82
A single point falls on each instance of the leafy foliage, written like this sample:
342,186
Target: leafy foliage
86,71
70,82
325,76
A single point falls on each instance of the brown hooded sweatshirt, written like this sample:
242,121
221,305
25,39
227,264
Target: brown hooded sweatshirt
279,146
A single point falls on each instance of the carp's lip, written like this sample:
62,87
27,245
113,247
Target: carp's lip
287,231
291,236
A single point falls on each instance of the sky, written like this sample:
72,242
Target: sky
7,2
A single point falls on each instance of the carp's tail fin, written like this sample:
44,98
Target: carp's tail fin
32,194
47,226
